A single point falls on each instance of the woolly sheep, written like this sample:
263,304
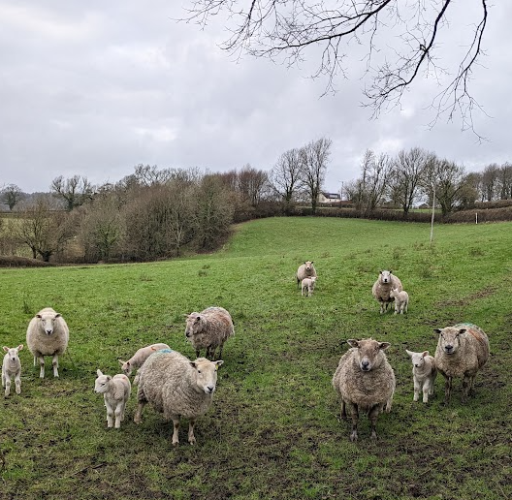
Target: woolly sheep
424,374
461,351
116,392
364,380
47,335
401,300
381,289
209,329
308,285
137,360
11,367
306,270
177,387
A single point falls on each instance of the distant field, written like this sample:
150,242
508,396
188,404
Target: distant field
274,430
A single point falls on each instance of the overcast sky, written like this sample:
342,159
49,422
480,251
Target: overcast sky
94,88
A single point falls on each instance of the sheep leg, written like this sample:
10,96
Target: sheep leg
118,413
426,390
7,385
176,427
197,353
41,366
355,418
416,390
3,379
343,411
110,415
381,307
17,381
466,386
55,364
373,414
448,390
220,352
191,437
138,414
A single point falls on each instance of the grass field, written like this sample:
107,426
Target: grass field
273,431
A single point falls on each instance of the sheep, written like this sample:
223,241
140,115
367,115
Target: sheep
381,289
424,374
137,360
11,367
364,380
116,393
47,335
401,300
308,285
461,351
209,329
306,270
177,387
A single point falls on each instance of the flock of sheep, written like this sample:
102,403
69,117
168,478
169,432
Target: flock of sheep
178,387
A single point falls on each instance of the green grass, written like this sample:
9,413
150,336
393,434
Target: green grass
273,431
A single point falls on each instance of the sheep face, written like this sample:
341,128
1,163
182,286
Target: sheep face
12,352
193,324
385,276
417,358
126,367
368,353
101,383
206,374
449,339
47,322
309,265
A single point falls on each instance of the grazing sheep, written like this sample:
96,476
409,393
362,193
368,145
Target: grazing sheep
137,360
424,374
177,387
209,329
11,367
306,270
308,285
116,392
381,289
47,335
401,300
364,380
461,351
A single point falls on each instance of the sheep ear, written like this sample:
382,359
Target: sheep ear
58,315
186,315
437,330
198,319
5,348
424,353
410,353
99,373
121,362
384,345
193,364
38,316
20,347
390,271
218,364
353,343
462,330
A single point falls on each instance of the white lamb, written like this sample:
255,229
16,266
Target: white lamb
137,360
177,387
47,335
308,285
305,270
116,392
401,300
424,374
11,367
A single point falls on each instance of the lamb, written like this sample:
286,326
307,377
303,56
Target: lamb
177,387
47,335
424,374
364,380
116,392
401,300
11,367
461,351
137,360
209,329
381,289
306,270
308,285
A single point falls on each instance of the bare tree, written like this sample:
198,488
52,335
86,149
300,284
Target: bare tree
74,191
489,181
411,29
285,177
314,158
253,184
408,172
505,181
11,194
449,184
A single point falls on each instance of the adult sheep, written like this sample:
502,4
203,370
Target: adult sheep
177,387
306,270
364,380
461,351
47,335
382,288
209,329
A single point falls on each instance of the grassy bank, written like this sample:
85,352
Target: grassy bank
273,431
